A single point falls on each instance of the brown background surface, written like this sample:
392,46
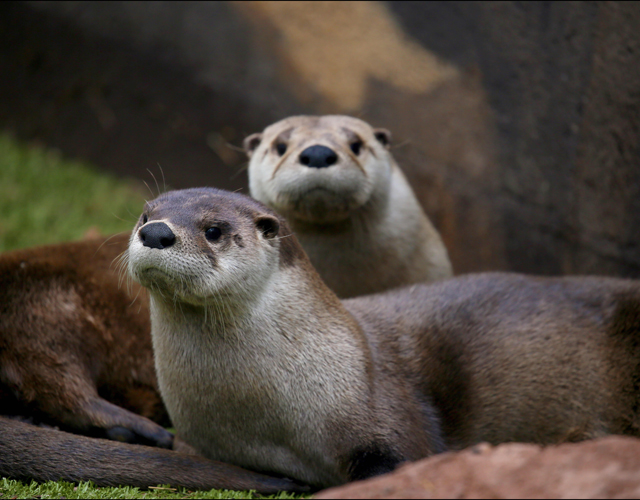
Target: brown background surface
517,123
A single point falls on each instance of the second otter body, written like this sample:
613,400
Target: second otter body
347,201
262,366
75,346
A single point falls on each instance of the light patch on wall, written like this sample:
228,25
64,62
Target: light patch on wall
336,47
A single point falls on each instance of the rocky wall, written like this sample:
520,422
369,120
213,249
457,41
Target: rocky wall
517,123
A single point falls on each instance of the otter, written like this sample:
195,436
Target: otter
75,353
349,204
262,366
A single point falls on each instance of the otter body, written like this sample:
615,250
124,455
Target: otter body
75,346
508,357
262,366
347,201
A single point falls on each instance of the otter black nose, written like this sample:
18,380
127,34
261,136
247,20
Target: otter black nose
318,157
157,235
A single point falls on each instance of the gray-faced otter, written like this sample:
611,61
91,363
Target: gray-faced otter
262,366
75,352
347,201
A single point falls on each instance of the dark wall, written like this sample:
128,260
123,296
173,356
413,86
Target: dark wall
91,84
516,122
563,79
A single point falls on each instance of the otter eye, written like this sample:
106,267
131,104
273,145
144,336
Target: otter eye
355,147
281,148
145,219
213,233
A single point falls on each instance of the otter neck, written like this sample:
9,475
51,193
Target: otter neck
323,365
294,296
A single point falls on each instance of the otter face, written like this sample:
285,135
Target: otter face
318,169
197,245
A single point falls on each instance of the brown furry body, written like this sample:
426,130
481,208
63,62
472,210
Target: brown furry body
509,357
74,343
262,366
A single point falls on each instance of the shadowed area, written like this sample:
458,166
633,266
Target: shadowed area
517,124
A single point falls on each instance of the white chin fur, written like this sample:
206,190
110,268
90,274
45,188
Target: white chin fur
177,274
319,198
161,271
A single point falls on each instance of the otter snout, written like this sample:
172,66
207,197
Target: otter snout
318,157
157,235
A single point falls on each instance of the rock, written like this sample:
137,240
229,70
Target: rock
603,468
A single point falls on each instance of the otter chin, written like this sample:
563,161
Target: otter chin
321,196
319,204
336,182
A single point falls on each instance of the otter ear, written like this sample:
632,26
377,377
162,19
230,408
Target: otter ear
383,136
251,143
268,225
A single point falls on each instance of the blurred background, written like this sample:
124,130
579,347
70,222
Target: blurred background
516,123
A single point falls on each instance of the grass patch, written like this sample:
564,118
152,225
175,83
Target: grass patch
44,199
61,489
47,199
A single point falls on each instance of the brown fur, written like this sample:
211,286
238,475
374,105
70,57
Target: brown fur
508,357
327,392
29,452
74,343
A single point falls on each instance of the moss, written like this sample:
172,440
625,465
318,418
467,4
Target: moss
16,489
45,198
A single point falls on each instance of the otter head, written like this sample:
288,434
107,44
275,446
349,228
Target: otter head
318,169
198,245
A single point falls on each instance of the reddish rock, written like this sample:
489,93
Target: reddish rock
604,468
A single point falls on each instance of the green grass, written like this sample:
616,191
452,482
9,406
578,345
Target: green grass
45,198
16,489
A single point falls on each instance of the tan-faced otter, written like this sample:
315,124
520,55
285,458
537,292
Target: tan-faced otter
75,352
347,201
262,366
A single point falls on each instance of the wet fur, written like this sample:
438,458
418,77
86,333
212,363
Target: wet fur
261,365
